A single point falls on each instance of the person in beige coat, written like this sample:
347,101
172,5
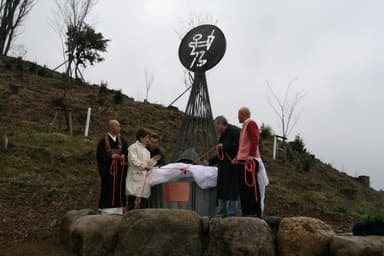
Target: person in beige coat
140,162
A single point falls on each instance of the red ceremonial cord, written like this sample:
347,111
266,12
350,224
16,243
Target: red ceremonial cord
113,171
249,166
121,181
220,152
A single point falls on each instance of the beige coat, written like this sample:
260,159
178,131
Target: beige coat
138,158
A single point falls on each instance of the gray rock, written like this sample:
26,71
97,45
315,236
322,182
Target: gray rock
160,232
95,235
240,236
357,246
67,221
303,236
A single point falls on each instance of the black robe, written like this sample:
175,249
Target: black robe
227,176
112,192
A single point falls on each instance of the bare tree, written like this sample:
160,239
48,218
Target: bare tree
286,107
71,14
12,16
149,78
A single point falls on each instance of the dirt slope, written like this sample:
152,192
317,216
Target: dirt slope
44,174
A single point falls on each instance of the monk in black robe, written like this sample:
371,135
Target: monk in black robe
227,176
111,156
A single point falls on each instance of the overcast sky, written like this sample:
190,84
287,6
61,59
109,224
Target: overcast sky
333,48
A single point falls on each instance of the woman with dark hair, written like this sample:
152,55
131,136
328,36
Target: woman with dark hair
140,162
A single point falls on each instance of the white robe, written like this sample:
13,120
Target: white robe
138,158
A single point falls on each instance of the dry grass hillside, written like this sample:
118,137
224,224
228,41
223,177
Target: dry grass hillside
45,172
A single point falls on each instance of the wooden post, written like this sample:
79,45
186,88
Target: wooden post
276,147
5,141
274,153
284,147
87,122
69,111
54,119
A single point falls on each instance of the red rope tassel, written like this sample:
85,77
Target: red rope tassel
220,152
138,198
121,182
250,167
113,171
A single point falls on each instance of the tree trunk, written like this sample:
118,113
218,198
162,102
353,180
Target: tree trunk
3,30
9,42
12,14
7,25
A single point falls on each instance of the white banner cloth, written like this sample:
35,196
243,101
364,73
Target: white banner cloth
204,176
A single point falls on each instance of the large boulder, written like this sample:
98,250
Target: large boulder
303,236
67,221
95,234
160,232
357,246
240,236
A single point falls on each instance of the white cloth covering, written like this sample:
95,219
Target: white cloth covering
204,176
262,182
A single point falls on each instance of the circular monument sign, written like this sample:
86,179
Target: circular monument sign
202,48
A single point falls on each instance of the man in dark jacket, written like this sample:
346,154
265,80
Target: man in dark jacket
227,177
153,147
111,154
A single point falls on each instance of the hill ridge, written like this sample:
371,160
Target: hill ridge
43,173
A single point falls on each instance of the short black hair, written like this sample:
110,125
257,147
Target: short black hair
221,120
142,133
155,136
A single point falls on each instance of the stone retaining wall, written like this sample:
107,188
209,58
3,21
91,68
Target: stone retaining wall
181,232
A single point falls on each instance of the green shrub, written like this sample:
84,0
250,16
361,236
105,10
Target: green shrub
43,71
23,177
307,160
19,65
265,131
103,89
33,67
118,98
298,145
297,154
